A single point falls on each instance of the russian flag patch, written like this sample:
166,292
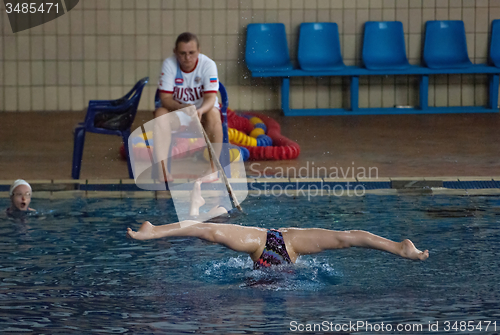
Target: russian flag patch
179,81
213,80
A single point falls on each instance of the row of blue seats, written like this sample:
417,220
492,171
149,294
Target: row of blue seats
383,53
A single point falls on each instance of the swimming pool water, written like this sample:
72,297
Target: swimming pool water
71,269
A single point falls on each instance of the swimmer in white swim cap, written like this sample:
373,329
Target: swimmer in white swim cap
20,196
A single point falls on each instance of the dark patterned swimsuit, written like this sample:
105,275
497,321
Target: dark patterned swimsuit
275,251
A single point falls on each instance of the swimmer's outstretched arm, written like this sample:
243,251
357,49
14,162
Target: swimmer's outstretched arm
310,241
250,240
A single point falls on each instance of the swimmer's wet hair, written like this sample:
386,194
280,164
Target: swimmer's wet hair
186,38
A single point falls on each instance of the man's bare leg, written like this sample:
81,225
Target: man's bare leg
309,241
250,240
211,121
162,135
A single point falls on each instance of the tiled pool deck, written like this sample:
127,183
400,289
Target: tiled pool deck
457,153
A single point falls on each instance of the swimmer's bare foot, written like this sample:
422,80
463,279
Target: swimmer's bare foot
408,250
146,232
196,199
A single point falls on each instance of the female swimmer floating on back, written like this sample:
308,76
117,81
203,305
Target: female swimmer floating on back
273,247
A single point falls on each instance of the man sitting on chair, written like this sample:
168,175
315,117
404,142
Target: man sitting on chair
190,78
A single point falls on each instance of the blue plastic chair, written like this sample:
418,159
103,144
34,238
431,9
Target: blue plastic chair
267,47
445,45
319,47
225,155
495,43
109,117
384,46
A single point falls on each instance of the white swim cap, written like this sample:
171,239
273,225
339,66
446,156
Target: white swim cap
18,183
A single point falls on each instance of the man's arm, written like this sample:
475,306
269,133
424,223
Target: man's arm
168,102
208,103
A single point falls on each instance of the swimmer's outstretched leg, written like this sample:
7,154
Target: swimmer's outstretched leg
310,241
146,232
250,240
150,232
408,250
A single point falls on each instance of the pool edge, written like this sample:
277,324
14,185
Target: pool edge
126,188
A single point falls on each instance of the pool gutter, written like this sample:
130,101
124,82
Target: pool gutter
126,188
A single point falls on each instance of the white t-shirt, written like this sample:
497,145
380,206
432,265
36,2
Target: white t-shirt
189,87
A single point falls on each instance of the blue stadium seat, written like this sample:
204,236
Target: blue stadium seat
495,43
319,47
384,46
109,117
267,47
445,45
